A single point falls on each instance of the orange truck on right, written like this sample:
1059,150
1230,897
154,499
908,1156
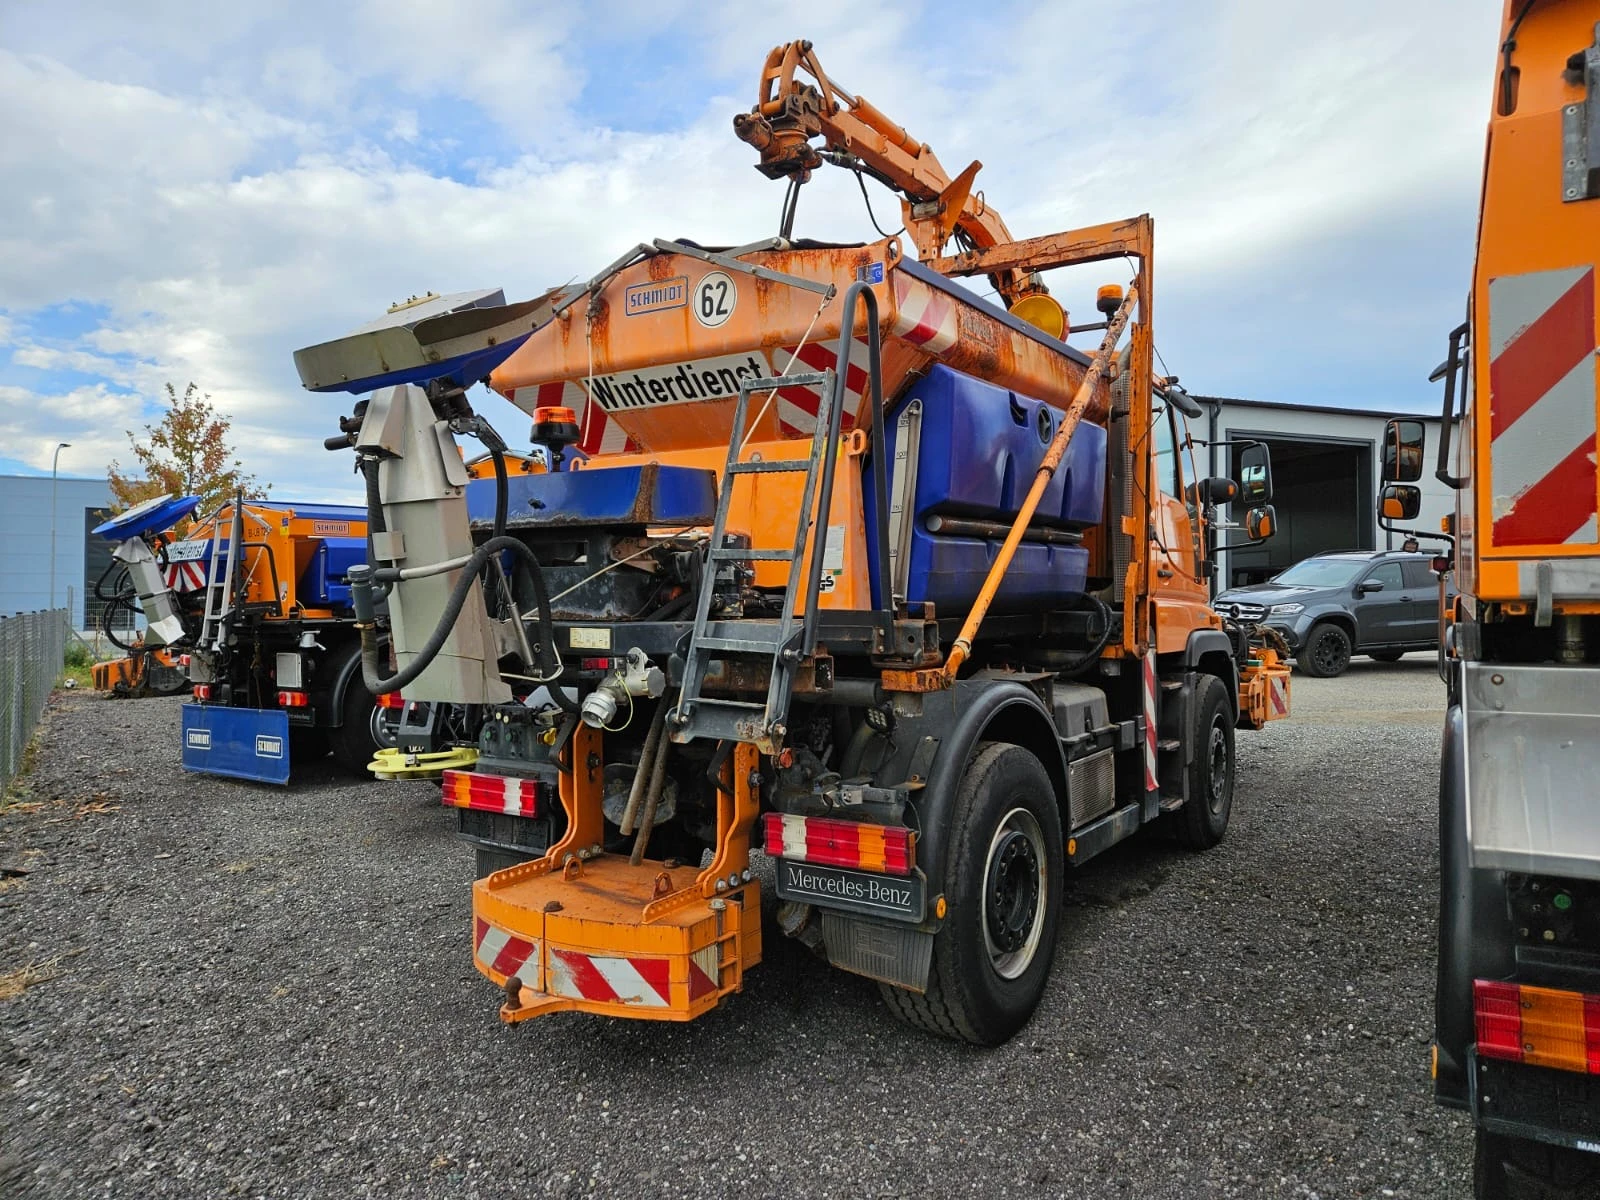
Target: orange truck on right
1517,1029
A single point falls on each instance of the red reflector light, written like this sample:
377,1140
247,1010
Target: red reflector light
595,664
293,700
1498,1010
202,691
491,793
1441,564
390,700
855,845
183,660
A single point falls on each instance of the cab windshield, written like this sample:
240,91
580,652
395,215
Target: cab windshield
1321,572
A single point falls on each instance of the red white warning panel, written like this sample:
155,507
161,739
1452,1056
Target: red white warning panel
185,576
924,317
503,953
1542,408
797,406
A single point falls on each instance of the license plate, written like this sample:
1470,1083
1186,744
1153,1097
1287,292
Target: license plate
899,898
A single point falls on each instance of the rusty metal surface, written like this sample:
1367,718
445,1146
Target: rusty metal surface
918,322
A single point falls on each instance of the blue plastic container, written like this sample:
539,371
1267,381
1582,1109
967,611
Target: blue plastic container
325,581
979,449
632,495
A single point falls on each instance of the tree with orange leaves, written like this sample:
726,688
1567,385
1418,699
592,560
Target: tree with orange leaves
186,453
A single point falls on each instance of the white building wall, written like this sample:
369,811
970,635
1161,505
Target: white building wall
26,516
1236,421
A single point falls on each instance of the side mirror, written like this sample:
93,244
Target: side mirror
1218,490
1403,443
1255,475
1400,502
1369,585
1261,523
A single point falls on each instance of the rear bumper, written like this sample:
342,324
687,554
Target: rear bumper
601,936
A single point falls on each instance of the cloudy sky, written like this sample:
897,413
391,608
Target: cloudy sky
191,191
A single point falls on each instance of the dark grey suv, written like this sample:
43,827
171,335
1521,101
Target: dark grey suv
1381,603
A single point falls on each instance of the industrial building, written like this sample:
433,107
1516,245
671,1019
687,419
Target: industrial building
1325,468
38,513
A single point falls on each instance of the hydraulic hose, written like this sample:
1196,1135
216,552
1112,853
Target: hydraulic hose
361,585
541,595
501,488
118,600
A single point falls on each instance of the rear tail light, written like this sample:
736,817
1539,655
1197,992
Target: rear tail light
827,842
293,700
491,793
183,660
390,700
594,664
202,691
1543,1027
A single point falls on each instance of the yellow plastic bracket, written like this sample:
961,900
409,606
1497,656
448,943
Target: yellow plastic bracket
397,764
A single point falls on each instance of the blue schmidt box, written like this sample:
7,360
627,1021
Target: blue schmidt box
243,743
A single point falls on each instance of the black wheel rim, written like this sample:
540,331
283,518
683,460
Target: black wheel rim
1329,654
1217,760
384,727
1014,893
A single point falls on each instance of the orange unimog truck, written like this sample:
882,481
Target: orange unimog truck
831,558
1517,1027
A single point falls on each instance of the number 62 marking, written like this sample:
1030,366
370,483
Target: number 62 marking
714,298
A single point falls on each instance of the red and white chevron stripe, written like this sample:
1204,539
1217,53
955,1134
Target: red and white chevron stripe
1151,780
645,982
185,576
1278,694
798,406
924,317
502,952
613,979
1542,407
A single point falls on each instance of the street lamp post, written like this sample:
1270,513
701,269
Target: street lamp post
54,461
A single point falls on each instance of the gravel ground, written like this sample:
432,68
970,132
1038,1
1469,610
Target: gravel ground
252,992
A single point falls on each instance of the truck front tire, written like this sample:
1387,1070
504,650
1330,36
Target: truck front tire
1203,819
1003,882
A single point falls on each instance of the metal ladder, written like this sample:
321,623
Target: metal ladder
786,642
219,592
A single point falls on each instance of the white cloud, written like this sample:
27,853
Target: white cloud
230,188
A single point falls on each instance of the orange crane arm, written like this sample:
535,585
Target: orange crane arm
790,112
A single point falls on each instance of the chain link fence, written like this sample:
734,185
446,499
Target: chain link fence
32,649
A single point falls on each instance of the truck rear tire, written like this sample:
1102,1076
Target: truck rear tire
363,733
1003,881
1203,819
1326,653
1508,1168
307,746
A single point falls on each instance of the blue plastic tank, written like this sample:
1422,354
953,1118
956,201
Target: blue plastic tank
979,449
